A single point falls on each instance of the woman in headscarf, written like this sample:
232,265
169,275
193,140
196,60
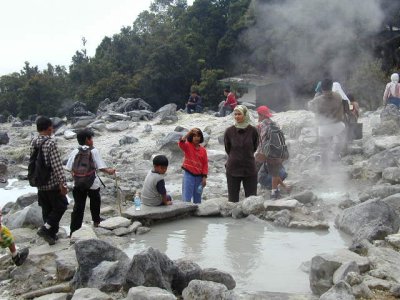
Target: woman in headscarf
392,91
241,142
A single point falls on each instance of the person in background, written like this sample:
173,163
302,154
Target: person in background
329,112
391,94
271,173
7,241
228,105
241,142
52,196
153,191
354,109
194,103
85,141
195,165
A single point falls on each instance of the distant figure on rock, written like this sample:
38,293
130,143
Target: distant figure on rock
153,191
195,165
354,109
391,94
194,103
86,182
241,142
7,241
329,112
228,105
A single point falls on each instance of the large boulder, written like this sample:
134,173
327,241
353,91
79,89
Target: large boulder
150,268
341,290
4,139
187,271
90,254
166,114
371,220
149,293
384,159
30,216
198,289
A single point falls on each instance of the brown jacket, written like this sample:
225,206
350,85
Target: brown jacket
328,107
240,145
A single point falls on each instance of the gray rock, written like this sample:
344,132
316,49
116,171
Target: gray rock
395,290
4,138
253,205
341,273
281,218
178,208
108,276
127,140
82,234
82,122
305,197
370,220
324,265
387,260
198,289
147,128
55,296
353,278
378,284
280,204
394,240
90,253
237,212
340,291
143,230
66,265
30,216
384,159
309,224
379,191
170,142
393,201
215,275
118,126
210,207
391,174
90,294
69,134
115,222
187,271
166,114
26,200
150,268
149,293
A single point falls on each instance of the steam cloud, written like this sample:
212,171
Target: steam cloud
307,35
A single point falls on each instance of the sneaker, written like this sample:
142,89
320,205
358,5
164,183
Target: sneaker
276,195
21,256
46,235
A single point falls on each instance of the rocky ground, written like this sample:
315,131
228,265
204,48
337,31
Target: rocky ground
359,191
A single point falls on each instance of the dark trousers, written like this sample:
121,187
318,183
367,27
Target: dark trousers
249,185
53,206
78,212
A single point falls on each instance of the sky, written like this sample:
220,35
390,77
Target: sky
51,31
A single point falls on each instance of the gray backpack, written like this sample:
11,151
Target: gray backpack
275,145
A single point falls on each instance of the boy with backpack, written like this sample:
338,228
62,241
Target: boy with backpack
46,172
83,163
272,149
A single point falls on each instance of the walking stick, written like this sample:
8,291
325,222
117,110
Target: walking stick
118,194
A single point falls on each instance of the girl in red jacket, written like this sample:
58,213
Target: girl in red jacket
195,165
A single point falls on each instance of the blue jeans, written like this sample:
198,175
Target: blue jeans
394,100
190,184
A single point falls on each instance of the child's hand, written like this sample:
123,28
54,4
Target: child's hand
111,171
168,202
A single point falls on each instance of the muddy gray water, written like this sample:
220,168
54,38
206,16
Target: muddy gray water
258,256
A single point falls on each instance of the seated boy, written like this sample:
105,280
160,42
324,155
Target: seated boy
153,191
7,241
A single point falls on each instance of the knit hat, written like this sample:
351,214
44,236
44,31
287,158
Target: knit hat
264,111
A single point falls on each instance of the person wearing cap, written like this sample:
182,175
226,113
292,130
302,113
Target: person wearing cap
241,142
269,166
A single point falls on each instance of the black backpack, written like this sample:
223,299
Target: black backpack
275,145
38,170
84,169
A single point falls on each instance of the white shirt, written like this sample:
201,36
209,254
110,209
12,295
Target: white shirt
98,162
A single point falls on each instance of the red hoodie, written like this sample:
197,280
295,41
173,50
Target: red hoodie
196,160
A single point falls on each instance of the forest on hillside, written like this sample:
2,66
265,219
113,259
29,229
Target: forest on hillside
173,47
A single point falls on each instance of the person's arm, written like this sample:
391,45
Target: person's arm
109,171
227,143
56,165
386,94
204,172
182,142
255,139
163,192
